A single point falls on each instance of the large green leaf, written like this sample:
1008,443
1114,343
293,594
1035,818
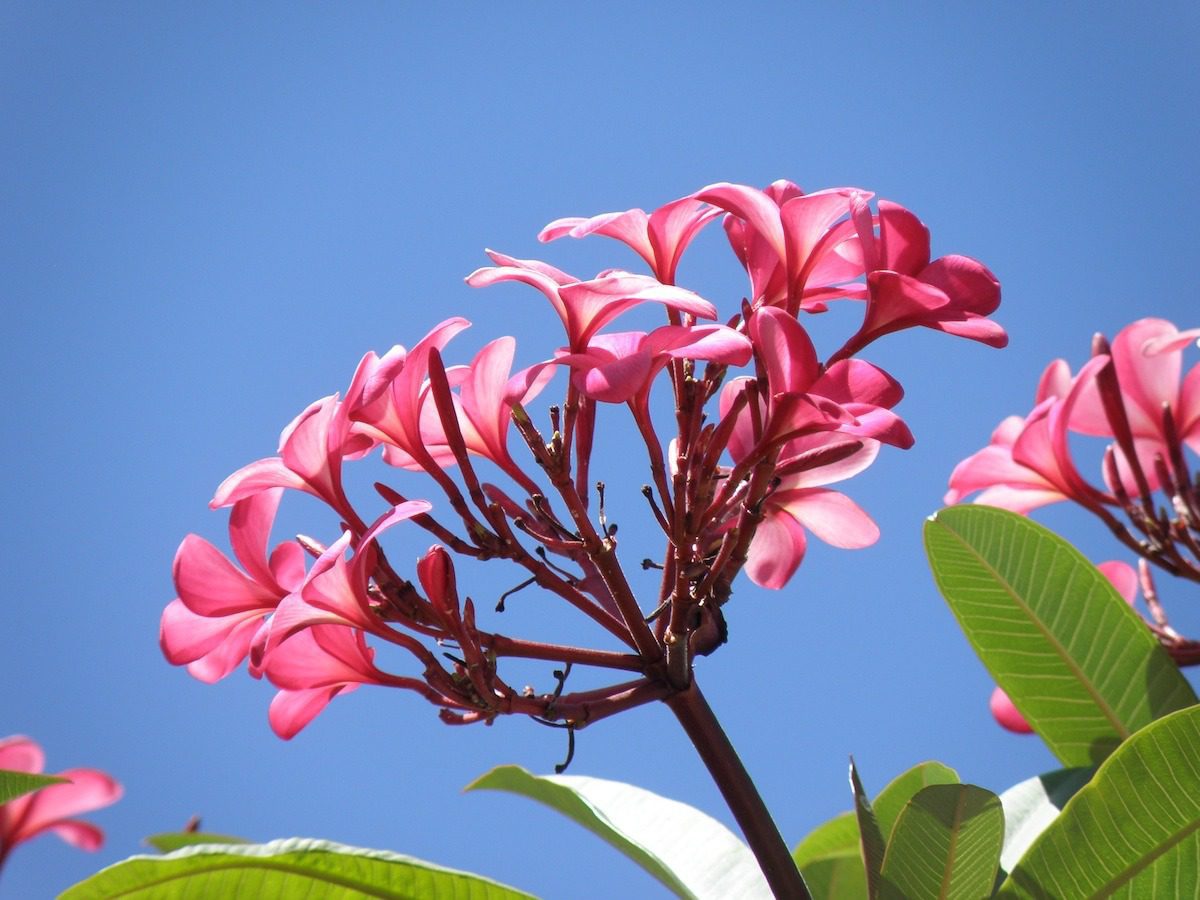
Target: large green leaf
296,867
945,845
15,784
1076,660
1031,805
170,841
1132,831
691,853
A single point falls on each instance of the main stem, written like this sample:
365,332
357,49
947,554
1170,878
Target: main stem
701,725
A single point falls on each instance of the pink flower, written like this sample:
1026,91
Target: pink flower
659,238
851,397
209,627
954,294
1148,357
335,591
800,503
1125,580
587,306
798,249
620,367
314,666
310,457
1028,462
487,393
388,404
52,808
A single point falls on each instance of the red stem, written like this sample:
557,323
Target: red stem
711,742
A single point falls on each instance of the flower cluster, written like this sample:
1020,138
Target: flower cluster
735,481
51,808
1134,393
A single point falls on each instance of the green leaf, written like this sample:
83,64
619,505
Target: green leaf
892,799
1031,805
175,840
691,853
836,878
295,867
870,838
1076,660
1133,830
837,837
946,845
16,784
830,857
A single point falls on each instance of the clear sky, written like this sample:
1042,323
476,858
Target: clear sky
208,212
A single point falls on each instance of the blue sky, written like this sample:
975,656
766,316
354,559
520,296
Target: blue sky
209,212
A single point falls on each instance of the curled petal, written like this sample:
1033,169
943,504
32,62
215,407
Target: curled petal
292,710
258,476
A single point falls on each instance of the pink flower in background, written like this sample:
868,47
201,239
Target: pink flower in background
1028,463
53,808
1148,358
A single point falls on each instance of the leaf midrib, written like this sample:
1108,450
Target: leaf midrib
1118,726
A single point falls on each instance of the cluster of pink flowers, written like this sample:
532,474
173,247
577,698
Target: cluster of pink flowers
737,482
52,808
1134,393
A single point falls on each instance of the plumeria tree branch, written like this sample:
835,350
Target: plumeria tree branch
736,476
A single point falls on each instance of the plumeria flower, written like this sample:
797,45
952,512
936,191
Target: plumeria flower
954,294
314,666
487,393
1028,462
335,591
1148,357
798,249
851,397
620,367
52,808
801,503
659,238
210,625
387,401
587,306
1125,580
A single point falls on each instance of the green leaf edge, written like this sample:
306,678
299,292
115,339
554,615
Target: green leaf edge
1065,819
264,853
170,841
582,813
940,517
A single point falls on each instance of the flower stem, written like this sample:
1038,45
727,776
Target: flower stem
711,742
